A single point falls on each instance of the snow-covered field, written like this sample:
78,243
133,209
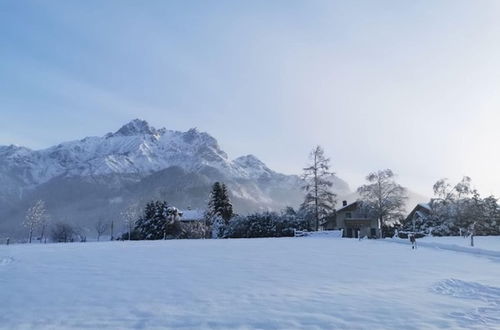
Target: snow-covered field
310,282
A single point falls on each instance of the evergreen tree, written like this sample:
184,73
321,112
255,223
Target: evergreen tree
220,209
319,200
158,222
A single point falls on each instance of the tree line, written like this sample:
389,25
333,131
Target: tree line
453,210
457,209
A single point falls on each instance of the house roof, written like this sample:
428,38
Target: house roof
348,207
192,215
425,206
422,209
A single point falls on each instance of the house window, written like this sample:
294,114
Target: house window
348,215
373,232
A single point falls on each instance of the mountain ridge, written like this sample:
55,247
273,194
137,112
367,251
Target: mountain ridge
82,180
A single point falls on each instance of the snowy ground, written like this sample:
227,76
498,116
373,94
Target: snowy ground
310,282
480,242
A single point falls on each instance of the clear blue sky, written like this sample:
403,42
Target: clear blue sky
410,85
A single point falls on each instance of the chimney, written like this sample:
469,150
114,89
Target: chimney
344,203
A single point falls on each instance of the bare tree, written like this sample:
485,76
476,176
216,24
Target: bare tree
35,216
100,227
384,197
317,177
130,215
112,228
63,232
80,233
44,224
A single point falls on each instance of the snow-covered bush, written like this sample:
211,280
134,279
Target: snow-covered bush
159,221
63,232
193,230
456,210
266,224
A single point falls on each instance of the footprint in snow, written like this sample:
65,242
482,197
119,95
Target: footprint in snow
490,295
6,260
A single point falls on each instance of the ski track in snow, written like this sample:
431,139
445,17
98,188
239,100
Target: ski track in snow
487,315
4,261
493,255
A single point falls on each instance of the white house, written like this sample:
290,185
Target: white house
355,221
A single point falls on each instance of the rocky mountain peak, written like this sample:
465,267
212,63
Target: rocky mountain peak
136,127
250,161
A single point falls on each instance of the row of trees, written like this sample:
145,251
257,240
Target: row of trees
38,219
453,210
382,196
40,226
457,209
159,220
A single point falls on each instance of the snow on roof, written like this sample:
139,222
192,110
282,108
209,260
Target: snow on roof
192,215
347,206
425,205
421,214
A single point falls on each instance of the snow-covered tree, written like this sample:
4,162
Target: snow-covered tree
220,210
159,221
384,198
459,209
130,216
172,217
193,230
35,217
44,224
63,232
266,224
450,206
219,203
490,224
319,200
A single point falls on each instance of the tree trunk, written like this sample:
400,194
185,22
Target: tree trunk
31,234
316,191
380,227
42,234
112,224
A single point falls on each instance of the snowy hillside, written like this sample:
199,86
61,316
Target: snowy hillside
289,283
99,176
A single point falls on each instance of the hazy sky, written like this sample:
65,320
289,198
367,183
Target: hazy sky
409,85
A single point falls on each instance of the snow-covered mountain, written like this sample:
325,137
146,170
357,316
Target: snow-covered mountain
136,148
99,176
